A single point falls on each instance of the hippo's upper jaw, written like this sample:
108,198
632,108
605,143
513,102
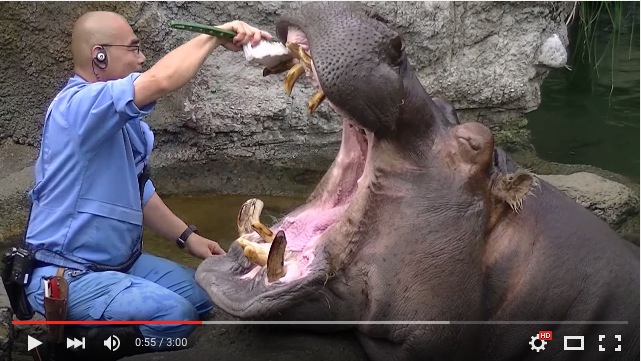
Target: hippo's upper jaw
358,63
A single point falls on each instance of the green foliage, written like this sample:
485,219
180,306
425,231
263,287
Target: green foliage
599,27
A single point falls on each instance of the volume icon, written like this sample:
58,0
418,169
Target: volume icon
112,343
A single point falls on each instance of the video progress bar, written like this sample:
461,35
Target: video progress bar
415,322
179,322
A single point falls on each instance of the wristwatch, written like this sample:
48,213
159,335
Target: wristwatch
182,239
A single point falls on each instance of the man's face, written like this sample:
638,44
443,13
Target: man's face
123,53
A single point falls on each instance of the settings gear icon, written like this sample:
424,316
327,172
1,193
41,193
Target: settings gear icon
534,346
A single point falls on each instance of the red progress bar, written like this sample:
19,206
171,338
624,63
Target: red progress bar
16,322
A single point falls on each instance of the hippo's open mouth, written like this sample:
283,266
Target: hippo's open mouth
264,261
286,251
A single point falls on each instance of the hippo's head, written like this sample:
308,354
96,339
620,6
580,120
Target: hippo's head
395,229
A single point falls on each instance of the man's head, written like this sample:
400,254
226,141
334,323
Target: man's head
104,47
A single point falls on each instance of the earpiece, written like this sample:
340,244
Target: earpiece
100,60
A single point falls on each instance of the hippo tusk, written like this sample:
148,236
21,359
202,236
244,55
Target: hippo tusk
263,231
280,67
300,54
248,220
315,101
292,76
276,258
249,214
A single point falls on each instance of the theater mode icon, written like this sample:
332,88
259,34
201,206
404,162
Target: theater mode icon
567,347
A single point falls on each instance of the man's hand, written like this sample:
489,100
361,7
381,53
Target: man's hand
244,34
202,247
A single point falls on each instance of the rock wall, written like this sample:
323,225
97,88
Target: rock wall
484,57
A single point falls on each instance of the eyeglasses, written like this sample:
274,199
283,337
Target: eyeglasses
132,48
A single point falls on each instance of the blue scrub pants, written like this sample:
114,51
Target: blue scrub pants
154,289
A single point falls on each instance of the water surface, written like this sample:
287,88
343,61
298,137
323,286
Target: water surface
590,115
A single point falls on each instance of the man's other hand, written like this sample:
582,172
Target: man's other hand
202,247
244,34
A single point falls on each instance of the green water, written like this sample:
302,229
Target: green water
590,115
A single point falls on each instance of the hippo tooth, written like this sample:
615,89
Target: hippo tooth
300,54
276,258
263,231
292,76
243,242
249,214
315,101
256,255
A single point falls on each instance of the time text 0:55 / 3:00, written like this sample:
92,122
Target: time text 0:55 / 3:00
161,341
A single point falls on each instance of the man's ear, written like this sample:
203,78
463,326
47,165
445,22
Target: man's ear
512,188
100,57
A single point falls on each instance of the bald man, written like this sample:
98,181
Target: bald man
92,193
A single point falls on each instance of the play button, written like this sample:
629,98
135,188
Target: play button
32,343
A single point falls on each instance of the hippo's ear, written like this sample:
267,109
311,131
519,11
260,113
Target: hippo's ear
512,188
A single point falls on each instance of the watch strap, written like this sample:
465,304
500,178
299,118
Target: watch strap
182,239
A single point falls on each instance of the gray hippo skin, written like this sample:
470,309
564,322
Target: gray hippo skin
420,218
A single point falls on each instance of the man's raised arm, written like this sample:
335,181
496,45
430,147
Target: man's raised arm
179,66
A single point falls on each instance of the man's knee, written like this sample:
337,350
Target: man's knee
172,307
179,310
144,300
174,277
183,310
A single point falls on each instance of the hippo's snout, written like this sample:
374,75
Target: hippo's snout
353,58
357,62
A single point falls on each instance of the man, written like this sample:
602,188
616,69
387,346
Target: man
92,196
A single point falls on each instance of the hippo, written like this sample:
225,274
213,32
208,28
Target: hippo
423,236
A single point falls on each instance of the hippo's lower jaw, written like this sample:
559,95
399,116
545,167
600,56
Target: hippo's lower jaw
291,259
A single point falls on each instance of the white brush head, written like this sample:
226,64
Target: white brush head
266,53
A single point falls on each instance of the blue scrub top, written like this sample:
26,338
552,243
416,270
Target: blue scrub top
86,203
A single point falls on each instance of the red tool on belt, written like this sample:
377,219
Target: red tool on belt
55,291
